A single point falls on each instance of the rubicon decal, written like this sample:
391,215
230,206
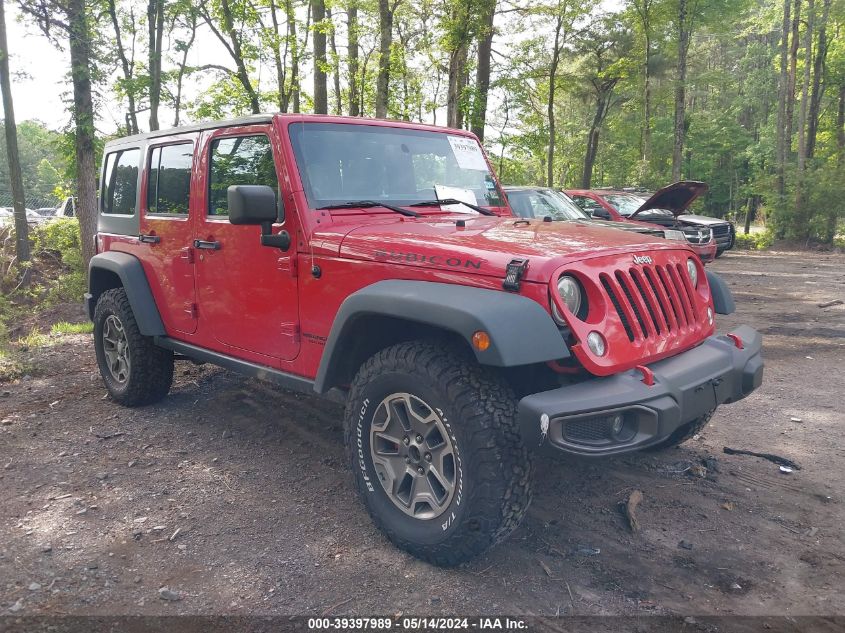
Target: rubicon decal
422,258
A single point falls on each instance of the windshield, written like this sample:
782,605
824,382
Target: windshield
624,203
345,162
539,203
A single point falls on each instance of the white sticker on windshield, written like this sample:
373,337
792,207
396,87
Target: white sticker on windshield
467,153
445,192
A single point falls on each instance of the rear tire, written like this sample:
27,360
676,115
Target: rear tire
684,432
436,453
135,370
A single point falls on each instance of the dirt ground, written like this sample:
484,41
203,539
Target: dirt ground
235,495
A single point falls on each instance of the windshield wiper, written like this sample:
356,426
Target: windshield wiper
368,204
435,203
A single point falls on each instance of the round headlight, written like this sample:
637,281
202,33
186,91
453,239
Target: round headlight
595,342
692,269
570,291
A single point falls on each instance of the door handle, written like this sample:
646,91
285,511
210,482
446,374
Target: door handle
149,239
204,244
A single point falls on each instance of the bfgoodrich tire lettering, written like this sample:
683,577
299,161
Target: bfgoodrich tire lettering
492,469
135,370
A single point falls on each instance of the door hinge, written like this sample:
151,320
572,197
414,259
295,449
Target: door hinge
188,254
192,310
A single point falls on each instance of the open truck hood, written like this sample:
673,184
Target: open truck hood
676,198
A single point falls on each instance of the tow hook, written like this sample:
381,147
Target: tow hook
648,375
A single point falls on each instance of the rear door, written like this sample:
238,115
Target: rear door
167,204
247,292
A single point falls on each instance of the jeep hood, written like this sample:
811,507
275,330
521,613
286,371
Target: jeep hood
676,198
485,245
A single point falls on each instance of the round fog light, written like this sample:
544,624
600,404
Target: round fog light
709,316
595,342
618,422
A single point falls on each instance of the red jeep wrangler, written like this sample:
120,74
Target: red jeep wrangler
332,255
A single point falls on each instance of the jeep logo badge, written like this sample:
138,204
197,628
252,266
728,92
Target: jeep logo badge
642,259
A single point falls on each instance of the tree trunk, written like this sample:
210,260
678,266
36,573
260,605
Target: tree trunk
840,126
750,209
18,196
352,56
805,87
296,53
790,89
550,106
321,97
643,9
282,97
155,26
180,74
231,41
385,20
79,38
604,91
128,71
783,87
482,71
647,104
802,216
590,156
818,85
338,95
457,64
680,91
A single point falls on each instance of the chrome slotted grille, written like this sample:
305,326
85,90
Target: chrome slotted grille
654,300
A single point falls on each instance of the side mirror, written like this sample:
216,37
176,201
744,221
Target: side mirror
256,204
251,204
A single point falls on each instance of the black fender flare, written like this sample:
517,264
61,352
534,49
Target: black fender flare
521,331
723,299
130,271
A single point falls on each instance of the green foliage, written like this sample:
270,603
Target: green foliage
43,164
63,327
758,241
61,240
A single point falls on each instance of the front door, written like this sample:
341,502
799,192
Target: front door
247,292
166,232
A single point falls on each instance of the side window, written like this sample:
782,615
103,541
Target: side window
121,182
239,160
590,206
169,182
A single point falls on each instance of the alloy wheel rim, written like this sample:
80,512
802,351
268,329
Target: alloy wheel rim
413,455
116,349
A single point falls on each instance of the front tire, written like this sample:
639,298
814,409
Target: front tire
135,370
436,453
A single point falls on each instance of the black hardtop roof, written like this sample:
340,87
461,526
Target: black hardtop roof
196,127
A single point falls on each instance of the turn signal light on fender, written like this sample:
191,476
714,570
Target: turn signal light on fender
481,340
737,341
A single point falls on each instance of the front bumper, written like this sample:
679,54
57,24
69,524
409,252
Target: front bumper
585,418
705,252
